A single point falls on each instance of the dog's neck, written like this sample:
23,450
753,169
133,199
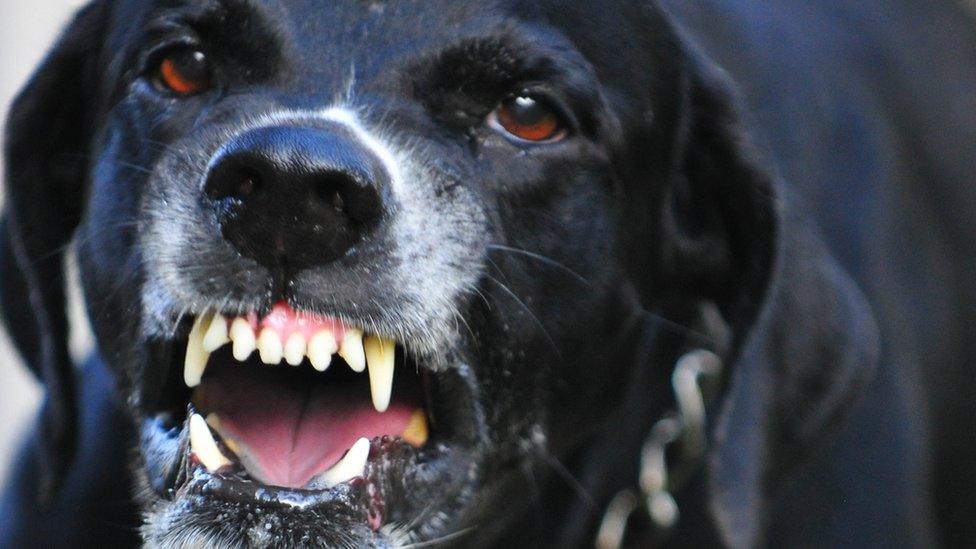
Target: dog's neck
671,454
667,359
672,451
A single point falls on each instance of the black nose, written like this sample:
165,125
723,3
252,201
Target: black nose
294,198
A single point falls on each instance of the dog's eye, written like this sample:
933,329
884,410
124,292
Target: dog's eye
529,118
184,72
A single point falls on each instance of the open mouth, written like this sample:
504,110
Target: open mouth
302,411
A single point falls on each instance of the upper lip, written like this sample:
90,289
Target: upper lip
176,470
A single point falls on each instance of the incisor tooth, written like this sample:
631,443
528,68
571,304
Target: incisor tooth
243,337
321,348
295,349
352,465
380,357
351,350
216,335
196,356
203,445
269,346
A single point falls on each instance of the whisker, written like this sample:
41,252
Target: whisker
162,147
528,310
438,541
568,477
54,252
122,163
130,269
528,471
543,259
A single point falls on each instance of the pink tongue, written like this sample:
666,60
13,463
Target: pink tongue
290,432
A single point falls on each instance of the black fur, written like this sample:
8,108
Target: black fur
549,289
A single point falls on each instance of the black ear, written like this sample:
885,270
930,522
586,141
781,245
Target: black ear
718,215
804,338
46,158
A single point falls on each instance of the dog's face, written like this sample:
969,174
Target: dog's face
462,197
437,175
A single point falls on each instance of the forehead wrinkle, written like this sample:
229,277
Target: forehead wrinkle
204,5
197,12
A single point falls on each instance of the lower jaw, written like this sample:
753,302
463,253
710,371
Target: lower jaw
396,493
405,495
397,477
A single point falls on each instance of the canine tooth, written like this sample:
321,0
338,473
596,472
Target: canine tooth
232,445
417,430
269,347
204,446
216,335
352,465
352,350
380,356
213,420
295,349
321,348
243,337
196,356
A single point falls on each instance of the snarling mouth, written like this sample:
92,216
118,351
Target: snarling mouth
302,411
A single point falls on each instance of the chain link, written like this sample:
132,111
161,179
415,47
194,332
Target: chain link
695,373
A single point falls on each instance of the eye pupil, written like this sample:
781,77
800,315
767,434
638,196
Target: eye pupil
184,72
529,119
528,111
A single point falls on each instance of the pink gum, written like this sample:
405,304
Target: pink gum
286,321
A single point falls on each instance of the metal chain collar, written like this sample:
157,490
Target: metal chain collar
695,373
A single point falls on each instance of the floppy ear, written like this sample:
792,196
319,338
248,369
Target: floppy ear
724,229
46,159
804,339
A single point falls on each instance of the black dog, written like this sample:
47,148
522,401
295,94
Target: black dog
533,211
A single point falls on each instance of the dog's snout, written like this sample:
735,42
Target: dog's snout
296,197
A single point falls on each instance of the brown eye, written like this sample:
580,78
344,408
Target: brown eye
530,119
184,72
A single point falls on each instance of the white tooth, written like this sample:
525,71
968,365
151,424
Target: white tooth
204,446
415,433
321,348
380,356
269,346
352,465
295,349
352,350
196,355
243,337
213,420
216,336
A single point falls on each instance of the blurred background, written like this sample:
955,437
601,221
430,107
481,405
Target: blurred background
27,28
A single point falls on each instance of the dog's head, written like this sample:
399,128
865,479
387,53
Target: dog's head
474,201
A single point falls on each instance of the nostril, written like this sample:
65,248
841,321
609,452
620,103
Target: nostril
330,190
335,199
234,182
341,192
248,183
